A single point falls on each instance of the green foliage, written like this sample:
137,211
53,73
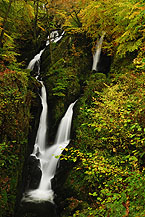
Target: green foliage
109,148
122,21
15,101
63,79
20,27
9,165
108,177
112,187
14,95
117,114
12,26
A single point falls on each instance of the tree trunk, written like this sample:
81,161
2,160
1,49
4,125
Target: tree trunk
36,5
49,32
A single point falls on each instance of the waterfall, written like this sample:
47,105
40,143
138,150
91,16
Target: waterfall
54,37
34,60
49,159
41,133
96,56
63,133
40,141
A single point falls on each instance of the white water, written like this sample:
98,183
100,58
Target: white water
54,37
49,158
63,133
96,56
41,132
34,60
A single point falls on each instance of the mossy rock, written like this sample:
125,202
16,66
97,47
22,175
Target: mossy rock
73,206
63,89
16,96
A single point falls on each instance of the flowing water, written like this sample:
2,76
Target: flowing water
34,60
54,37
96,56
42,129
48,157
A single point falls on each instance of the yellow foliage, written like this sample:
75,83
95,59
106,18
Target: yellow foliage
122,21
41,27
30,10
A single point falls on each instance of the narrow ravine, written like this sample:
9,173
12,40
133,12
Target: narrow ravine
47,157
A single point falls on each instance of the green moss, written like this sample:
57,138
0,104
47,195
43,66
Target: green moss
63,75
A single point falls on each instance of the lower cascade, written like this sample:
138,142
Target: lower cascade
49,157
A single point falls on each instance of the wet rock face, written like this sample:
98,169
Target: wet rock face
34,173
29,209
30,180
104,64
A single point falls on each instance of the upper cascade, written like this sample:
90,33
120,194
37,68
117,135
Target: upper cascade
34,60
54,37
